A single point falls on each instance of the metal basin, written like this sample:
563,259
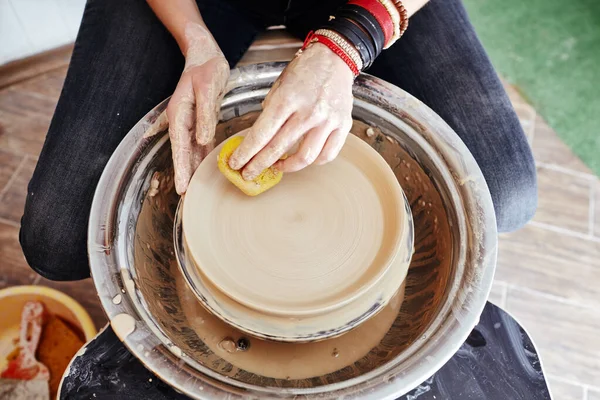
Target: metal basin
155,314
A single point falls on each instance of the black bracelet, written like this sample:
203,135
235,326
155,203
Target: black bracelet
356,36
367,21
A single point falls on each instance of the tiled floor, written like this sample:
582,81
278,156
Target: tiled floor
548,274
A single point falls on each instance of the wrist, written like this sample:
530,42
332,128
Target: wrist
334,47
329,56
360,30
198,45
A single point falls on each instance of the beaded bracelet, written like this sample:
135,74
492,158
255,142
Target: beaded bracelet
338,45
337,50
343,44
362,29
403,16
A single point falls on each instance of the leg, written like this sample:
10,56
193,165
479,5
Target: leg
440,61
124,63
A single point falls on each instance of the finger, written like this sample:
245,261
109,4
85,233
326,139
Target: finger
294,128
197,154
182,163
269,122
333,146
273,89
180,113
208,103
205,117
309,150
160,124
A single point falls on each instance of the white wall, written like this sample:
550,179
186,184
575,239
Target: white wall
29,27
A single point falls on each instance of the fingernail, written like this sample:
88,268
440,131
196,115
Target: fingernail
248,176
181,180
180,187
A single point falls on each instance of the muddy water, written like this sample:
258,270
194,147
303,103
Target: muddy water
289,361
178,313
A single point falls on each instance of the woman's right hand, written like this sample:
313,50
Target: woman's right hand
193,109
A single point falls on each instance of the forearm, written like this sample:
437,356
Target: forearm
412,6
183,20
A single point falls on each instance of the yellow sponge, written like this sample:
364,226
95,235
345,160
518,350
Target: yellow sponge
263,182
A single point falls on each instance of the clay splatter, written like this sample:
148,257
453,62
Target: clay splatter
123,325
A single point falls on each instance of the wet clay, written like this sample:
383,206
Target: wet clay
297,329
426,283
317,241
287,360
123,325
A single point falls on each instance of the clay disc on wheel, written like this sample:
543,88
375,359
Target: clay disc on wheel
315,242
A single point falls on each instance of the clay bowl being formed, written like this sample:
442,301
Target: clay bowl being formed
132,255
312,258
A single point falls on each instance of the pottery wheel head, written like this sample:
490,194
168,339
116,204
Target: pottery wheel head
318,240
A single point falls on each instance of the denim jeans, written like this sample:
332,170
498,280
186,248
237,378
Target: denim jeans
125,62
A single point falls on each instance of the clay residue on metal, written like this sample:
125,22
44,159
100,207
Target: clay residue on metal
430,266
117,299
123,325
176,350
228,345
158,275
154,185
128,282
160,124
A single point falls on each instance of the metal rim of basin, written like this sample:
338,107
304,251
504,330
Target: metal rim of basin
120,188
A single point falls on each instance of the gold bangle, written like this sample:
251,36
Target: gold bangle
343,44
395,15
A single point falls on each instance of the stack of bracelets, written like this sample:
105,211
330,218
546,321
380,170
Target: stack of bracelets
360,30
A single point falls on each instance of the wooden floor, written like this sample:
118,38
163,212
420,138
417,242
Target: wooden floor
548,273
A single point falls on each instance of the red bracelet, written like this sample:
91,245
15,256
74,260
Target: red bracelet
308,39
337,50
380,13
312,38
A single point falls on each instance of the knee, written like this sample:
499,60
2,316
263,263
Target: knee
51,243
514,193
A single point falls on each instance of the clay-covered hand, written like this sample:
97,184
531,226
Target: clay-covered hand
311,102
193,109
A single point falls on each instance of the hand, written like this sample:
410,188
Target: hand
310,101
193,109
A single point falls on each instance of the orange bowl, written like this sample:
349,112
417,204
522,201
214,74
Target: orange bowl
14,298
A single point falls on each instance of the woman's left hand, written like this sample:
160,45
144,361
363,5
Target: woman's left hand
311,101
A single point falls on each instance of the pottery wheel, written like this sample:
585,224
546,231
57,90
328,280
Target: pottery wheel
318,240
